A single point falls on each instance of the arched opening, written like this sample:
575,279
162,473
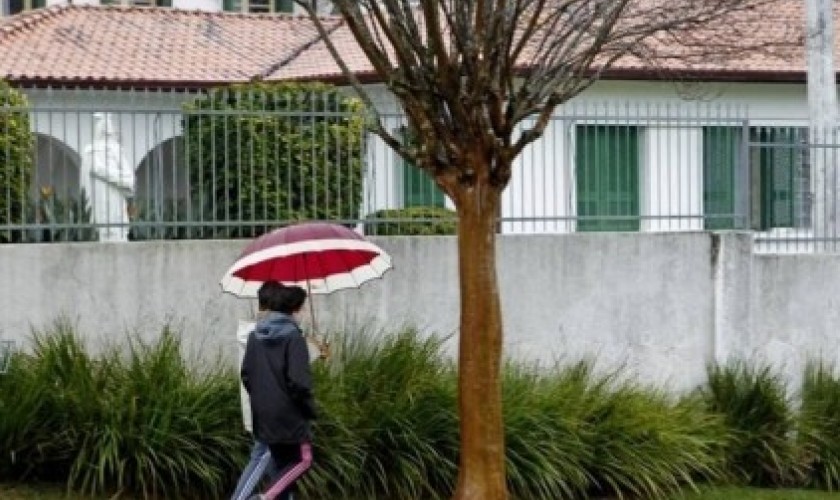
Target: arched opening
56,169
55,195
161,189
161,177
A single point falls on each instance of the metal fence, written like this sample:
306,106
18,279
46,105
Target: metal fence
117,166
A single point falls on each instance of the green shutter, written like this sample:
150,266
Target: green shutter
37,4
164,3
777,170
418,188
284,6
232,5
607,180
721,150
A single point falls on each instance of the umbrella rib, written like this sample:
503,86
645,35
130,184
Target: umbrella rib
356,282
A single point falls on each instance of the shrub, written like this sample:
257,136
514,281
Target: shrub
140,420
412,221
390,426
819,425
760,417
134,419
26,417
274,153
573,434
16,159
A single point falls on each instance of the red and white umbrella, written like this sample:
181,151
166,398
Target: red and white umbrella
318,256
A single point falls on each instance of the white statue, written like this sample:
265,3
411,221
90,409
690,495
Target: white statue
107,179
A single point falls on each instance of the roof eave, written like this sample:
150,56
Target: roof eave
638,74
751,76
701,75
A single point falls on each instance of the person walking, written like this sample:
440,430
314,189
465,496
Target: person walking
277,375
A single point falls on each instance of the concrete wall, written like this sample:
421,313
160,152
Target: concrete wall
661,305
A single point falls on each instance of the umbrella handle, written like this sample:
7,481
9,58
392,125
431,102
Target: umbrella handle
311,307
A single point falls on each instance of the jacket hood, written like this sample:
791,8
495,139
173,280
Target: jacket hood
275,325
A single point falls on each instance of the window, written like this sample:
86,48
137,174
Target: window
259,6
779,171
721,153
418,188
607,177
17,6
781,176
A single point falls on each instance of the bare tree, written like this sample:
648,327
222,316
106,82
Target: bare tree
478,81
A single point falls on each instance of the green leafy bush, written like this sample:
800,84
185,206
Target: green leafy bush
274,153
412,221
16,159
754,403
819,430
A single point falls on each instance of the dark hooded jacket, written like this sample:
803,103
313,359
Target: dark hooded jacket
276,374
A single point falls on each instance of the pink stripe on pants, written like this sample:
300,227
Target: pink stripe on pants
292,474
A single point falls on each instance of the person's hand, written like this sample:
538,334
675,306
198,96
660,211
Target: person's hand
324,350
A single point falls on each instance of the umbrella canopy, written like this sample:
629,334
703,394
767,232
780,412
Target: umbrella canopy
318,256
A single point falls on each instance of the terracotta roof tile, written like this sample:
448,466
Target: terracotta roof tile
137,44
163,46
780,22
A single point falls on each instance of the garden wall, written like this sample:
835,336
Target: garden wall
660,305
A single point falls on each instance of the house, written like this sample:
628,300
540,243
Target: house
718,145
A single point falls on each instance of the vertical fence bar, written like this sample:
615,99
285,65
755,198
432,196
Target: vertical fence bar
746,187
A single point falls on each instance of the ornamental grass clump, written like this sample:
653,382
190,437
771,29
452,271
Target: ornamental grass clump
136,419
142,419
760,417
388,427
819,425
573,433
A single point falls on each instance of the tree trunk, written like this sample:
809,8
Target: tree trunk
481,474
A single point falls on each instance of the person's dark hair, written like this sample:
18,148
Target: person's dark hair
269,295
274,296
290,300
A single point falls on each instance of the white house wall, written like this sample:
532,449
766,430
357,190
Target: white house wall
538,198
144,121
541,195
672,179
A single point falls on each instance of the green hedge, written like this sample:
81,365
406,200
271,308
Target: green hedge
274,152
140,419
136,417
412,221
17,144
